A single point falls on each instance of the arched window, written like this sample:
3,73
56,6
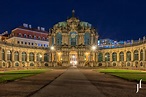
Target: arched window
31,64
24,56
59,39
87,38
30,36
52,40
39,57
46,57
25,36
141,55
136,55
39,38
16,64
114,56
16,56
107,57
31,56
34,37
19,35
121,56
9,55
3,54
43,38
73,38
100,57
128,56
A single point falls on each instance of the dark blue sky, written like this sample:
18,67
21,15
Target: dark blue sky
115,19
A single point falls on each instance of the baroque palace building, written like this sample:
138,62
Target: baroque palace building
71,42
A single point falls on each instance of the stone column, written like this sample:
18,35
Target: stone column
27,56
43,57
132,56
96,39
69,40
6,55
50,40
35,57
91,39
118,57
54,39
20,57
144,53
103,57
111,57
139,55
13,59
125,58
63,38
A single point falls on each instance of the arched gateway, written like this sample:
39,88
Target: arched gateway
71,41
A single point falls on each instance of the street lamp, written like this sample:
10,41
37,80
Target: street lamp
52,48
93,48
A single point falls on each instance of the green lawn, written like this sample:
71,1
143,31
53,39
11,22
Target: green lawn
13,75
131,75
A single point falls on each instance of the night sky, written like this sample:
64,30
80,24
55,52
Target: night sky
114,19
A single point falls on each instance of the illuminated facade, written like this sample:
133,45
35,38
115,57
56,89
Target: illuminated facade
72,42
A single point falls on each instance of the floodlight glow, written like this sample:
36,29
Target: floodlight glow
52,48
73,56
75,62
40,56
93,47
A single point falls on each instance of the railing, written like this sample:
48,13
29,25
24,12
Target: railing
23,46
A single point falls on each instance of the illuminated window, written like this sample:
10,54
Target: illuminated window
39,57
59,38
100,57
107,57
136,55
121,56
16,56
31,56
24,56
46,57
9,55
128,56
114,56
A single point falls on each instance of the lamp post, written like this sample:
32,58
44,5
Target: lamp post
40,59
52,48
93,49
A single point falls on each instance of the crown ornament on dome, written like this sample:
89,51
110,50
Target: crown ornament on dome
73,13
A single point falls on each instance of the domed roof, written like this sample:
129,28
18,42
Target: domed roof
73,21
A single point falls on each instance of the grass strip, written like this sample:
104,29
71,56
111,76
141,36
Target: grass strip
131,75
14,75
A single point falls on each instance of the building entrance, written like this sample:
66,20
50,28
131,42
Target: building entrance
73,58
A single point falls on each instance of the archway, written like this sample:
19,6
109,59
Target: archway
73,57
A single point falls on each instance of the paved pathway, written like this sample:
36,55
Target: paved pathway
28,85
71,83
112,86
